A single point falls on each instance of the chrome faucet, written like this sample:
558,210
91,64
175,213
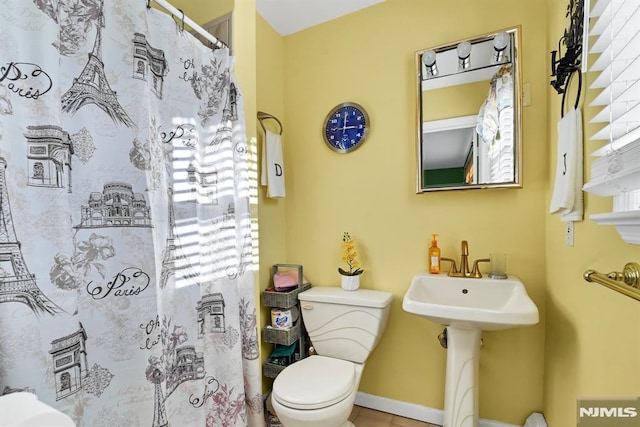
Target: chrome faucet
464,264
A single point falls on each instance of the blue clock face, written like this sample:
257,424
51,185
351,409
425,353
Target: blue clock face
346,127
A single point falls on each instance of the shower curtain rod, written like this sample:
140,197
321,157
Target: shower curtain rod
186,20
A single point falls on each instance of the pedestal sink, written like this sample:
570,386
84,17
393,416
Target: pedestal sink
467,307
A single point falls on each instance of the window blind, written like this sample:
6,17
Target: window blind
615,39
618,64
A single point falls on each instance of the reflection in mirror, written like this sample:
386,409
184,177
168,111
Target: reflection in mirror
469,114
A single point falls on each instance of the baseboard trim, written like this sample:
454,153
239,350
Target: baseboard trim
412,410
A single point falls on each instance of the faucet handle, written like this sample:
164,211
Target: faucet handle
454,268
475,272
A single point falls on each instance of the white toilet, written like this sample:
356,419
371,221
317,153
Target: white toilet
23,409
344,327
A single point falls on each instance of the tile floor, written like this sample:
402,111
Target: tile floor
365,417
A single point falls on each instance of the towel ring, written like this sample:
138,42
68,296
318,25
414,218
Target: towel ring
264,116
564,94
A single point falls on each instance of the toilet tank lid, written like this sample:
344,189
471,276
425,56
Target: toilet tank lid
359,297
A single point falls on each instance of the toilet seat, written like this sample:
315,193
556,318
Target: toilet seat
315,382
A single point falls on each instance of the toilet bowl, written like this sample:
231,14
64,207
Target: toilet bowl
318,391
344,327
23,409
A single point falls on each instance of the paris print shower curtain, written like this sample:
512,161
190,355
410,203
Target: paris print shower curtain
126,284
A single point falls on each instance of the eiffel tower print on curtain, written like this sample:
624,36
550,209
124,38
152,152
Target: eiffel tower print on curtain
174,260
92,86
16,283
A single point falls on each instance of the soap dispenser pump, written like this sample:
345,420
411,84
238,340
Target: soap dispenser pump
434,255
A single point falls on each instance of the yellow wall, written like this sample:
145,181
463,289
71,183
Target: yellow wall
270,87
368,57
272,215
592,344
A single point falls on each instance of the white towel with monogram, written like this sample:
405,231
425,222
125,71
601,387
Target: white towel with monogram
567,198
272,175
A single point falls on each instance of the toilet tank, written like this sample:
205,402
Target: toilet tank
345,324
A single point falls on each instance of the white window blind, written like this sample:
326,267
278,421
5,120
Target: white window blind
615,38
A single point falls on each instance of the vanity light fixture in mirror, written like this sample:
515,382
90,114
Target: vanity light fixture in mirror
468,115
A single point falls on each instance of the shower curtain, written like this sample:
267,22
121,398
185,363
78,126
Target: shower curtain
126,283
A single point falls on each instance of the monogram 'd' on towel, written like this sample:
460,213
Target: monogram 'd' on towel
272,165
567,198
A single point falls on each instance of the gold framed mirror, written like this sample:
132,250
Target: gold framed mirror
469,113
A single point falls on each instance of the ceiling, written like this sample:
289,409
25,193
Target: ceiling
290,16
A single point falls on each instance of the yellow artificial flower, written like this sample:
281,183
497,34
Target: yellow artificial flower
349,256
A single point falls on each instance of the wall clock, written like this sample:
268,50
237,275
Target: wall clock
346,127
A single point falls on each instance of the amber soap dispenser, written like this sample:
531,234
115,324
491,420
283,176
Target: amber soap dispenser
434,255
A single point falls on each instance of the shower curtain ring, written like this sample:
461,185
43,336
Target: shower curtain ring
174,19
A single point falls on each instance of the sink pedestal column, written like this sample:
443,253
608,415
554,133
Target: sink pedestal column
461,387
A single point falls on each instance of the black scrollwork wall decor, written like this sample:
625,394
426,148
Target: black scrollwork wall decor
571,60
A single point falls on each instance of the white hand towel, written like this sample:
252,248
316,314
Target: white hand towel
577,212
272,175
567,198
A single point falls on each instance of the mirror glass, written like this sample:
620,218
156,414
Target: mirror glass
469,113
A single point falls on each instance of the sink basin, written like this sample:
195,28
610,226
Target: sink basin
467,307
485,303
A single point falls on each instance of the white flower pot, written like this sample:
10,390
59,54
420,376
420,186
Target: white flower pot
350,283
